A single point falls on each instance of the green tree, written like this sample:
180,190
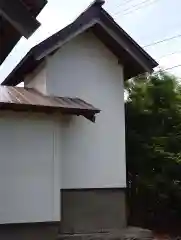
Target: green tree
153,149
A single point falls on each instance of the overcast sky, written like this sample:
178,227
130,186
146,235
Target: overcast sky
147,21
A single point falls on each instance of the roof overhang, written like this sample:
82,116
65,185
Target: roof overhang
17,18
21,99
134,59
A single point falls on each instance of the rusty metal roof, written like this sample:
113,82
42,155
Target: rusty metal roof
22,99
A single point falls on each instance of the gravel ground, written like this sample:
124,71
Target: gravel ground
130,233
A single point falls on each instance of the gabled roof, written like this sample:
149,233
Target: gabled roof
96,19
21,99
17,19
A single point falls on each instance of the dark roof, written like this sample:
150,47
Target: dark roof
21,99
17,19
97,20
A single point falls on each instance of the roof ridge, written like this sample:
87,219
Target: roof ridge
99,3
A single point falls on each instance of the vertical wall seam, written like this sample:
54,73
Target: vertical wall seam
53,187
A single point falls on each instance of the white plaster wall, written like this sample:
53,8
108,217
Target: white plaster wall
93,154
37,79
29,168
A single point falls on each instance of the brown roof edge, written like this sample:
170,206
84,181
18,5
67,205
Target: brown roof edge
137,60
139,50
21,99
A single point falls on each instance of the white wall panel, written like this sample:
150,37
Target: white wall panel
37,79
93,154
29,181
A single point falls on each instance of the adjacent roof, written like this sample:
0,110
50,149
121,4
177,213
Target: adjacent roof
17,18
97,20
21,99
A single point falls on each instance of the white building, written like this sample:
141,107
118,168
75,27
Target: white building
57,165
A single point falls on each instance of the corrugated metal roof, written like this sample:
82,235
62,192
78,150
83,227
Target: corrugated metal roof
17,98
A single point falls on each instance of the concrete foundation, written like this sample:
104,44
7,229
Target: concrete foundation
93,210
90,213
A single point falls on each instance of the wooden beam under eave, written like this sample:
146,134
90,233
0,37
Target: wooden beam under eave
16,12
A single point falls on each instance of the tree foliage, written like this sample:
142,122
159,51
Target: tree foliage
153,149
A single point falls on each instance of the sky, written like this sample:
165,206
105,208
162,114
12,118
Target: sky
146,21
